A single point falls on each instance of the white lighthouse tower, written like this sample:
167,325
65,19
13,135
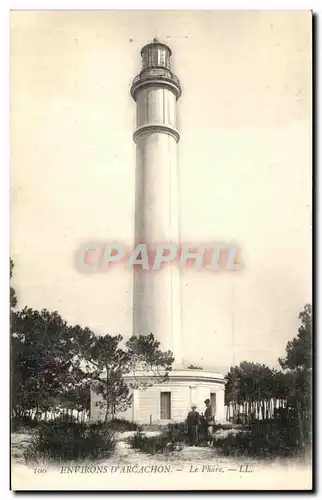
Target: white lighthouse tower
156,300
156,296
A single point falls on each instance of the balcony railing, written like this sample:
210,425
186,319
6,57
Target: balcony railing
150,75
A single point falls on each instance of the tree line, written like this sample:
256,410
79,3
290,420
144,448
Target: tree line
53,363
256,387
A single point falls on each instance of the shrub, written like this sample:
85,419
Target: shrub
121,425
177,432
71,441
263,439
164,442
23,423
151,445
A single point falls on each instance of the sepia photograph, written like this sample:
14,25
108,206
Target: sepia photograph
161,250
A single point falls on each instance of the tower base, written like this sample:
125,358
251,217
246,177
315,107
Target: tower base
170,401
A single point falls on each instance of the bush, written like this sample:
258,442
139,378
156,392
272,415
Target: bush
23,423
265,439
177,432
121,425
151,445
71,441
161,443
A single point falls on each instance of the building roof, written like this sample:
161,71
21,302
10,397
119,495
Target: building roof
155,42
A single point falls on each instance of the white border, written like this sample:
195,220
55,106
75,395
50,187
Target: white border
5,6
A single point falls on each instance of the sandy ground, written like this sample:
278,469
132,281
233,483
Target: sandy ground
279,474
19,444
123,453
126,455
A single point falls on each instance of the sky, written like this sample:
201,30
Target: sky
244,168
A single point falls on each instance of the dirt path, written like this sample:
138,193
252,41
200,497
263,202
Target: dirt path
19,444
188,454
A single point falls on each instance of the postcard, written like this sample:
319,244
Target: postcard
161,255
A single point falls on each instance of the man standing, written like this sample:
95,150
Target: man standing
209,422
193,426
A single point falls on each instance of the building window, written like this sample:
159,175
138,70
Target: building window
161,58
165,405
156,57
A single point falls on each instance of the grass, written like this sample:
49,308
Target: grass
23,424
121,425
264,439
169,437
150,445
65,441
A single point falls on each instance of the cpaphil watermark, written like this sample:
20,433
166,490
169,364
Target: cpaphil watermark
98,256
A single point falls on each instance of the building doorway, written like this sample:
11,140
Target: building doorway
213,403
165,405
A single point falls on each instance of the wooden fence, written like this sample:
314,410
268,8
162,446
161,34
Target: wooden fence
77,415
257,410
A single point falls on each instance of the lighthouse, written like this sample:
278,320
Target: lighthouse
156,297
157,305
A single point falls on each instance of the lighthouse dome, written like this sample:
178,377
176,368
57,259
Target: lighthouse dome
156,55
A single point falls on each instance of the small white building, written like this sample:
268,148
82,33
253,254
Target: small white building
157,293
171,401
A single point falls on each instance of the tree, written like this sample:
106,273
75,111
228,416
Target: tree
42,360
43,368
194,367
13,296
298,367
104,363
52,361
14,358
145,356
254,386
299,350
107,363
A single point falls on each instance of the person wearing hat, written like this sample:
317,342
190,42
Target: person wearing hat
193,426
209,421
